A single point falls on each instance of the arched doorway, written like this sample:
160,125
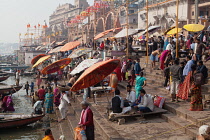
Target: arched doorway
110,21
100,25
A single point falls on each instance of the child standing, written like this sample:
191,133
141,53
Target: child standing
27,87
32,87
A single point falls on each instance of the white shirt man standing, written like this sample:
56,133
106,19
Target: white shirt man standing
17,77
64,101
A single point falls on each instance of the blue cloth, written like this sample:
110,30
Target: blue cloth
198,57
137,68
32,86
187,67
165,44
49,102
139,83
144,109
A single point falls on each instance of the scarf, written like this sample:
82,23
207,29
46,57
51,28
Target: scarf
83,117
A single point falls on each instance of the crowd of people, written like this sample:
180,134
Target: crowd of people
183,77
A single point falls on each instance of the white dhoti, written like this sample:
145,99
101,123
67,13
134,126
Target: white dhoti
63,107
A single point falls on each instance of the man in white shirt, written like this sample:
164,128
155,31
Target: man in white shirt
38,107
131,97
147,104
64,101
17,77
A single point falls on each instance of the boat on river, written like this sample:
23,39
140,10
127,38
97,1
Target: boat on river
12,121
6,90
3,78
27,73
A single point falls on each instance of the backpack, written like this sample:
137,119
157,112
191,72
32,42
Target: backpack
198,79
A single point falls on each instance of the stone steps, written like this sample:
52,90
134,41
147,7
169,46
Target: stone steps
181,124
64,129
178,113
102,130
55,128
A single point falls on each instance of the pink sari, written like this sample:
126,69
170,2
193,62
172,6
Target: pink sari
162,58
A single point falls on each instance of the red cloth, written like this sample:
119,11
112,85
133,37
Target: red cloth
102,46
188,43
86,118
118,72
41,94
184,87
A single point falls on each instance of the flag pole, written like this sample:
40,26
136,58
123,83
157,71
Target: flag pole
177,19
127,53
147,36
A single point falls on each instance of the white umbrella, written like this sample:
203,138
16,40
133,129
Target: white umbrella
55,50
151,28
84,65
123,33
79,52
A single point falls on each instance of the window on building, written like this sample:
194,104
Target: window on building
193,13
201,13
134,20
131,11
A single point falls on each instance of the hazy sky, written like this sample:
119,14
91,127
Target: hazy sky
16,14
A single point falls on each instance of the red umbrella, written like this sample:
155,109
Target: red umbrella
36,58
95,74
69,46
106,32
56,66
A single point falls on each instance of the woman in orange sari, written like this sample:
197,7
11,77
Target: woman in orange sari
113,81
189,88
48,135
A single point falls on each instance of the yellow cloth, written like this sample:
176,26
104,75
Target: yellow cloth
50,137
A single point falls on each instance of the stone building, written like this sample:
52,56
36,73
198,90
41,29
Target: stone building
106,18
58,29
163,13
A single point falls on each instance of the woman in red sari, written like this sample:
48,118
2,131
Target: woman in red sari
189,88
163,58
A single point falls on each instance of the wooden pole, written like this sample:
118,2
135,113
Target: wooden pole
147,36
177,20
196,11
127,53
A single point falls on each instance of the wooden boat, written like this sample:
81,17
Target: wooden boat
28,73
3,78
11,73
3,74
9,89
11,121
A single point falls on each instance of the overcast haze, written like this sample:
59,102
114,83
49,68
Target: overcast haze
16,14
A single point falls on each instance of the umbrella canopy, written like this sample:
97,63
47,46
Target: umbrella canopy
123,33
69,46
165,33
193,27
79,52
77,38
56,66
151,29
105,33
100,35
84,65
41,60
174,31
55,50
36,58
95,74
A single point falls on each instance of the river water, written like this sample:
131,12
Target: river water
22,104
